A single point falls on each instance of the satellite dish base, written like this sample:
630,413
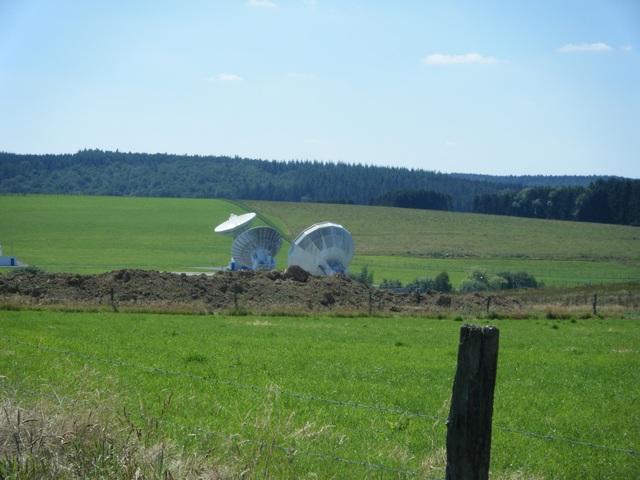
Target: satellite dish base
235,266
261,259
333,266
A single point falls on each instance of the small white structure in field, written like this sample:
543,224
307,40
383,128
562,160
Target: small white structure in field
323,249
7,261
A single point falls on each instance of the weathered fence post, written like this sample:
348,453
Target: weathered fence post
237,289
469,423
114,307
595,304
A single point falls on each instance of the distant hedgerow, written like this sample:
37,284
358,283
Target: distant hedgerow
478,280
365,276
31,269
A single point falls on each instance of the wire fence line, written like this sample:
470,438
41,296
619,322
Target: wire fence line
310,397
573,442
234,438
226,383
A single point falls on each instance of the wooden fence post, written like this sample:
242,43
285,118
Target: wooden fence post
469,423
114,307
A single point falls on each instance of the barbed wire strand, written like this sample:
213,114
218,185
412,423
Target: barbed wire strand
574,442
228,383
236,438
310,397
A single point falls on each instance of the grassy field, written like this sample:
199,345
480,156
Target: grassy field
554,273
353,397
96,234
428,233
220,396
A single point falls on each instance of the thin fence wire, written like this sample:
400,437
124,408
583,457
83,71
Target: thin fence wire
309,397
573,442
226,383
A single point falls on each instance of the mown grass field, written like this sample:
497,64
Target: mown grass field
84,234
406,244
435,234
352,397
96,234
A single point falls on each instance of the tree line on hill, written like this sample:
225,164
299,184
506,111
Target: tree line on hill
614,200
97,172
420,199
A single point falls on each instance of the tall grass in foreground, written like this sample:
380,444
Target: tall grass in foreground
49,438
175,396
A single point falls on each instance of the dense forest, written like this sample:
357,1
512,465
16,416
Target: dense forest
421,199
97,172
614,200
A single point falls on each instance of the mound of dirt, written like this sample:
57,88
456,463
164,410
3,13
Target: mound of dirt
262,291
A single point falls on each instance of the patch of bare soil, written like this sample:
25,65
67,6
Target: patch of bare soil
293,290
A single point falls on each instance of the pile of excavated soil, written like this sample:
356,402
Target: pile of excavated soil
293,290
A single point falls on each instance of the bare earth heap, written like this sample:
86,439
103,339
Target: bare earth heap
258,291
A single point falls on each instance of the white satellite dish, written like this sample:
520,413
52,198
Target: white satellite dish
323,249
257,248
235,225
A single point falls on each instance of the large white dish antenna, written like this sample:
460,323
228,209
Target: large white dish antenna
257,248
323,249
236,225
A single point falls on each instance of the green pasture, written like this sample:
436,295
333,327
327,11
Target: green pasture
428,233
341,392
406,244
557,273
85,234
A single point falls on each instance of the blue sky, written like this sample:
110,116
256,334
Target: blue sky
504,88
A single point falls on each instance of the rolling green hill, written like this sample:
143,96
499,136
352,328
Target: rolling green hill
407,244
437,234
95,234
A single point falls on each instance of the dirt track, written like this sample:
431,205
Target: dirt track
261,291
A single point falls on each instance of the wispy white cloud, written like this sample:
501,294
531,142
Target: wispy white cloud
626,48
585,47
229,77
440,59
261,3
